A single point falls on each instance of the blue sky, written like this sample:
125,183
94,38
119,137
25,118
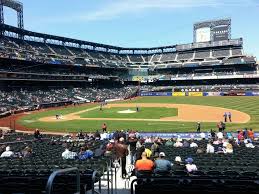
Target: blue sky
139,23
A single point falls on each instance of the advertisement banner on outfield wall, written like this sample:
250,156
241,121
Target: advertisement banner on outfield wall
255,93
195,94
178,94
212,94
156,94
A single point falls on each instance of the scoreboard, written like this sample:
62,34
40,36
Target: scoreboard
213,30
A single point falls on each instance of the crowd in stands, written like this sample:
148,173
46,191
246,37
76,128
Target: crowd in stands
60,54
19,99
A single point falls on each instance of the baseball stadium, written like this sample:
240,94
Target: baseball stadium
83,117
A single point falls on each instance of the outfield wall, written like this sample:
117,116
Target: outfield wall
199,93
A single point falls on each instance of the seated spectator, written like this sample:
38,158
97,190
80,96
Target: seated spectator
248,143
7,153
210,148
200,151
190,167
162,166
178,143
178,165
220,135
144,165
85,153
220,150
148,152
155,149
193,144
26,152
186,144
229,149
68,154
169,143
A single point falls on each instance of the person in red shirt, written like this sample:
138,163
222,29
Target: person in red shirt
144,165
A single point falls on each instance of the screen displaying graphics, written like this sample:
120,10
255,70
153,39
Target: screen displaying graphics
203,35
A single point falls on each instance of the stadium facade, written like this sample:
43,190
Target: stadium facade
37,59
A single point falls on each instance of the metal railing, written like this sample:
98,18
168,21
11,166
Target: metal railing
49,186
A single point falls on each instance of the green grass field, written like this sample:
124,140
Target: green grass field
144,113
249,105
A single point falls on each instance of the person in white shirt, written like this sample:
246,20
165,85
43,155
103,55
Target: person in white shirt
210,148
248,143
178,143
68,154
220,135
193,145
190,167
7,153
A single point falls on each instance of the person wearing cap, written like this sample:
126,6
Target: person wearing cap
162,166
190,167
178,164
7,153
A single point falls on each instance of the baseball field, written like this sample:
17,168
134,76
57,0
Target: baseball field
154,114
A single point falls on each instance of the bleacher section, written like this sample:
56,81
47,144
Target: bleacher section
30,174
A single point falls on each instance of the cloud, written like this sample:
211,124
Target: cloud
117,8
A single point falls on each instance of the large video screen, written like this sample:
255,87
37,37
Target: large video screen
203,35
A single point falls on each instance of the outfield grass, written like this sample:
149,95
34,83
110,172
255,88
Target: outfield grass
249,105
144,113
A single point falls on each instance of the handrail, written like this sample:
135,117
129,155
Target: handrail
49,185
93,181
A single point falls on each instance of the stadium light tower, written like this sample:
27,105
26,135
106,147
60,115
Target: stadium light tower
15,5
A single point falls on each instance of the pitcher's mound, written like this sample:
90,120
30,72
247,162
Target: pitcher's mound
126,111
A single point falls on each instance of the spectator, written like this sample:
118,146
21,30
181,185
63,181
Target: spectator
155,149
193,144
37,134
178,165
162,166
121,151
68,154
26,152
220,135
220,150
240,135
186,144
178,143
229,148
7,153
169,143
248,143
132,141
210,148
85,153
144,165
251,134
190,167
